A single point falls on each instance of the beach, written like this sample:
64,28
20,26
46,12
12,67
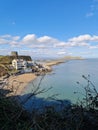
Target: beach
54,62
17,84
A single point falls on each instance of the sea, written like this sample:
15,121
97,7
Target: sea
66,81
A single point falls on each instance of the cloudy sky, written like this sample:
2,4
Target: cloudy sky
49,28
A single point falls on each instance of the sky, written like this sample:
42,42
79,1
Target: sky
49,28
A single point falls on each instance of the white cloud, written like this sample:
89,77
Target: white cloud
86,53
94,38
16,38
28,39
8,39
6,36
15,44
75,44
61,53
3,49
60,44
3,41
70,53
93,47
47,45
34,46
47,39
80,38
31,40
79,41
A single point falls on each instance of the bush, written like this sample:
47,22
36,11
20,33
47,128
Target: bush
81,116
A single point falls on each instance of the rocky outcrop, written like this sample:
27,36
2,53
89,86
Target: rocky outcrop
40,68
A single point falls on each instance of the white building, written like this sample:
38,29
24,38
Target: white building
19,64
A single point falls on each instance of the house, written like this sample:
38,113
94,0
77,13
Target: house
19,64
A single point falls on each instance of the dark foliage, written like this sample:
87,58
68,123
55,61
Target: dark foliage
81,116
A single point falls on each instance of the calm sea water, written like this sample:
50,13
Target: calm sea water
63,79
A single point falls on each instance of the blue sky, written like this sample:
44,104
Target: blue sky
49,28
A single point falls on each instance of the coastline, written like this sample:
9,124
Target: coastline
54,62
18,83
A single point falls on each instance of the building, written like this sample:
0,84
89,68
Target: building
19,64
14,54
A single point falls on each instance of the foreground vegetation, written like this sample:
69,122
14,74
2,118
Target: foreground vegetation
80,116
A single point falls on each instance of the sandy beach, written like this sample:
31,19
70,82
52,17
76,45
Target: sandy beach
54,62
17,83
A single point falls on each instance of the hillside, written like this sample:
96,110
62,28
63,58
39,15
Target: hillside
72,58
8,59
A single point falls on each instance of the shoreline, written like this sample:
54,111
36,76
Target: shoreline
54,62
18,83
